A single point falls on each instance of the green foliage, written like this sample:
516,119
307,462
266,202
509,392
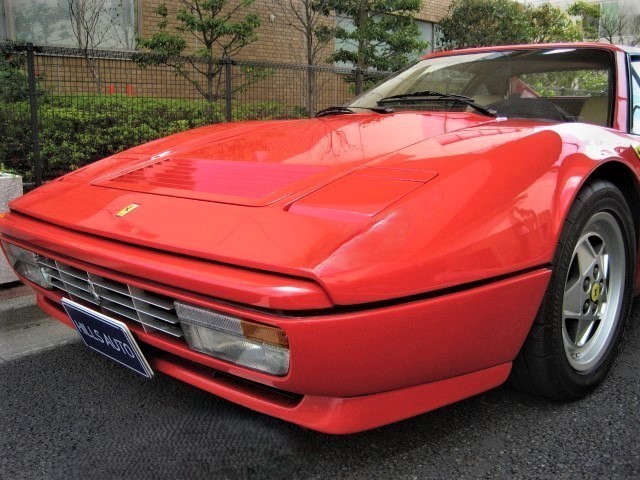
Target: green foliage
551,24
15,136
568,83
213,22
385,33
218,25
267,111
589,14
476,23
77,130
13,79
13,85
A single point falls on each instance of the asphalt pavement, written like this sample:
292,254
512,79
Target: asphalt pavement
67,413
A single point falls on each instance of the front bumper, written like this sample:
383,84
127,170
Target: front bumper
350,370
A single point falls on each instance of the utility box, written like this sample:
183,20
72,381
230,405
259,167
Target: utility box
10,188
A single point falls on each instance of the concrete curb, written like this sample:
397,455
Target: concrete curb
20,308
26,330
10,188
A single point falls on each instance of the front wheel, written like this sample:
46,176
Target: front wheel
574,339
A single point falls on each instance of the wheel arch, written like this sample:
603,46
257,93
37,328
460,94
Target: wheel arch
537,368
623,177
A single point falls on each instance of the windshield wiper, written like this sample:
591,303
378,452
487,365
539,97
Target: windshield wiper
431,95
347,110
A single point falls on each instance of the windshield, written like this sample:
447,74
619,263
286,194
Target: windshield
568,84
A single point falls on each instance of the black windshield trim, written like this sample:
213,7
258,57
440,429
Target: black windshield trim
431,95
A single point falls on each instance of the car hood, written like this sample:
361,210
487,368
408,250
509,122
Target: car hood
279,196
261,163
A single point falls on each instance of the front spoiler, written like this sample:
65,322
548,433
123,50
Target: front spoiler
333,415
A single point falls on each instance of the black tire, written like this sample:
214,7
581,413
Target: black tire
564,358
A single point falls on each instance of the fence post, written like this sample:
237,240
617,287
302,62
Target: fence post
227,87
358,80
33,107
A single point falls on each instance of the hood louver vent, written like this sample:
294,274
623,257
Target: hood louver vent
211,179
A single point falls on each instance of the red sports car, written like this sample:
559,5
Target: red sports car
473,218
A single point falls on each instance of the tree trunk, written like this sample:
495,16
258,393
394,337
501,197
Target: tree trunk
311,72
363,18
312,90
210,96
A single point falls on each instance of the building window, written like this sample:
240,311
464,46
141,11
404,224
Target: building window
426,35
107,24
609,13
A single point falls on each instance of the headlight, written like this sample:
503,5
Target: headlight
245,343
25,264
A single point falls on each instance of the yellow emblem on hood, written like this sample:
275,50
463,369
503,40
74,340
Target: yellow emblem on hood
127,209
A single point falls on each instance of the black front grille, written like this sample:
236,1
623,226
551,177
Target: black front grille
153,311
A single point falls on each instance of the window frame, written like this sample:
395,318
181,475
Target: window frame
631,58
9,22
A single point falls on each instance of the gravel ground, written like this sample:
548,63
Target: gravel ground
68,413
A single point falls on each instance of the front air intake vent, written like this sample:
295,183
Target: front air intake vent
155,312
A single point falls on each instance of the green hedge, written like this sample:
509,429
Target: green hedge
77,130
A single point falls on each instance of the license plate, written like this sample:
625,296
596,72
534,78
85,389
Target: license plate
107,336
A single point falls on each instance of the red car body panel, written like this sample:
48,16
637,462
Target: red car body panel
406,345
334,415
404,255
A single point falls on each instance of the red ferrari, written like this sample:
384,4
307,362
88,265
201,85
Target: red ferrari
473,218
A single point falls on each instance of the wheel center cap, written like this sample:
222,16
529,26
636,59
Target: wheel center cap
595,292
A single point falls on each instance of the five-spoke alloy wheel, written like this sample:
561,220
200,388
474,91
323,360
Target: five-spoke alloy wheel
575,337
593,291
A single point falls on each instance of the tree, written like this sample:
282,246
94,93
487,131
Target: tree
590,17
551,24
383,34
504,22
90,24
306,17
619,26
217,25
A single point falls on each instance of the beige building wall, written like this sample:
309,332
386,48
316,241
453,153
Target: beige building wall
277,41
434,10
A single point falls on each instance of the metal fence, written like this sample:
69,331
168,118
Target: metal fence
62,108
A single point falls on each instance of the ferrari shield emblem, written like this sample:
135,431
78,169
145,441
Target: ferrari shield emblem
636,148
127,209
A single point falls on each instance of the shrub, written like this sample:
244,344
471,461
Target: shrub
13,80
15,137
267,111
13,84
79,130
